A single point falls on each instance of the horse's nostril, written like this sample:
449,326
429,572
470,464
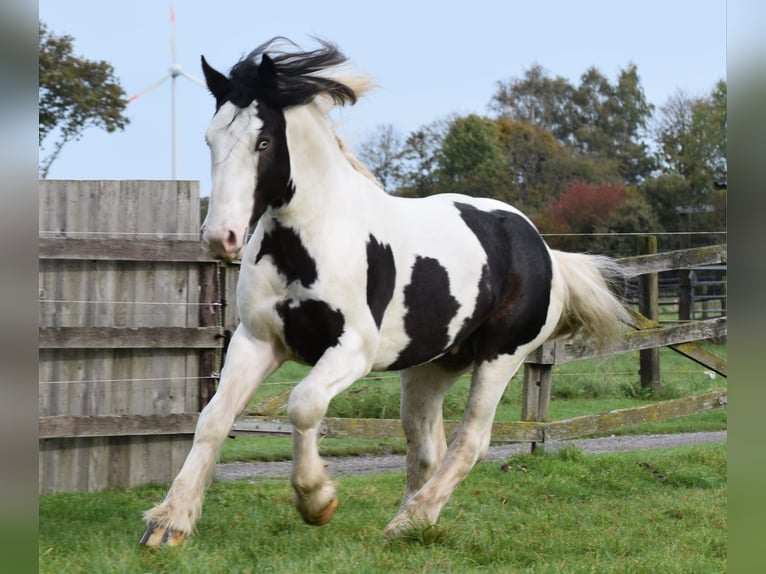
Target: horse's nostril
231,240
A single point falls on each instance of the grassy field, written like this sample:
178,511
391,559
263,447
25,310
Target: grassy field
655,511
579,388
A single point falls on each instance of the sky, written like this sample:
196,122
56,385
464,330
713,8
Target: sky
430,58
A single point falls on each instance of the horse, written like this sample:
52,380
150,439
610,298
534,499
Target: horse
344,277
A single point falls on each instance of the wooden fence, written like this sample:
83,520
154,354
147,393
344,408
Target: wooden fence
129,331
133,320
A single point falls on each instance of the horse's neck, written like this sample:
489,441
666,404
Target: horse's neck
321,173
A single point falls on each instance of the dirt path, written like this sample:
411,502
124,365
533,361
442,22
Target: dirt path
357,465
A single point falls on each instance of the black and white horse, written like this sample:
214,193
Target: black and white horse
344,277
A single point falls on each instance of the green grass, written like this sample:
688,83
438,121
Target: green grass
655,511
579,388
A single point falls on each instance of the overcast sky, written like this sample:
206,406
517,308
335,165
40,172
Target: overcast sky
432,58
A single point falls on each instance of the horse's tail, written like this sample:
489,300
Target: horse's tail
592,310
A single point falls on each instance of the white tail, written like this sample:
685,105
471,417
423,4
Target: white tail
592,310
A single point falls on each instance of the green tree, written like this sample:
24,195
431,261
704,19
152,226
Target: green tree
74,94
691,138
691,135
420,159
615,234
540,167
610,121
535,99
471,159
599,119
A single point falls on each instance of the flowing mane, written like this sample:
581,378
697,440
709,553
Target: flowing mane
356,163
300,76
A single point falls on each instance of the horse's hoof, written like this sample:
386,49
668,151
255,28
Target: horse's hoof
156,536
396,529
323,517
404,524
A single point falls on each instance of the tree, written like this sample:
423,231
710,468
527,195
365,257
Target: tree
601,120
610,121
582,206
580,209
691,135
382,153
540,166
666,192
471,159
535,99
420,159
616,233
74,94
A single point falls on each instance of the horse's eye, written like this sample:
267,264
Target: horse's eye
262,144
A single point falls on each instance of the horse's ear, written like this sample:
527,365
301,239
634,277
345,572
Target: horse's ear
217,83
267,72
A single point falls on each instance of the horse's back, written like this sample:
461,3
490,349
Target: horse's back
463,264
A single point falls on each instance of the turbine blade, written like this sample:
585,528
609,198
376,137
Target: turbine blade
173,49
193,78
149,88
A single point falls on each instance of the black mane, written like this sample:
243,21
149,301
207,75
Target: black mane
283,78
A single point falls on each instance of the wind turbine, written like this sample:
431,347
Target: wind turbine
174,71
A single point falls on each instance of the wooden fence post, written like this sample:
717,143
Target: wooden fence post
648,306
536,392
684,294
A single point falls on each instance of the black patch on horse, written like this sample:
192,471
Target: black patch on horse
381,277
515,294
289,255
310,327
273,188
430,308
461,352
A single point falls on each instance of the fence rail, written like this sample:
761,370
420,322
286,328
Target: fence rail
681,259
165,250
517,431
131,337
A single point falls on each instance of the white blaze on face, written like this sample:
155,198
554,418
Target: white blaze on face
231,137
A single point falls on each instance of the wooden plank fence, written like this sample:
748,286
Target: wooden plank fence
132,327
129,331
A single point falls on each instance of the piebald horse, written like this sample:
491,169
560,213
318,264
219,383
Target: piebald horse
344,277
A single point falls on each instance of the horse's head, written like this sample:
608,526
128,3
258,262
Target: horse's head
247,137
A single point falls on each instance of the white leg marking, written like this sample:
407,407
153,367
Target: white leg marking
422,394
339,367
487,385
248,362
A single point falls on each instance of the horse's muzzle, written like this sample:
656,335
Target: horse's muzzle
224,244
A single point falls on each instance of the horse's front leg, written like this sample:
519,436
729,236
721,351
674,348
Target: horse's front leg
314,492
248,362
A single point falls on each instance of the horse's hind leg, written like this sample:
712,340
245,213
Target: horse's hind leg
468,444
248,362
422,394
